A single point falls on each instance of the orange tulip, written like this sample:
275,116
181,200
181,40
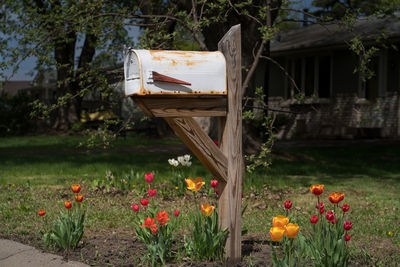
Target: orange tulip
41,213
276,233
207,209
149,222
194,185
317,189
78,198
68,204
291,230
162,218
280,221
336,197
76,188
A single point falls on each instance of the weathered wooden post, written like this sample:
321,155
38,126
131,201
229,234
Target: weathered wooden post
230,137
180,85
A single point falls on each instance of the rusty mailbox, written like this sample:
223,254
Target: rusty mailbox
160,72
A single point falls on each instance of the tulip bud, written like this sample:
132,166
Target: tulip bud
214,183
68,204
314,219
176,213
152,192
347,225
78,198
330,215
347,237
345,207
288,204
149,177
135,207
76,188
144,202
41,213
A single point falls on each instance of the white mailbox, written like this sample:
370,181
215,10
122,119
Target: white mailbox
160,72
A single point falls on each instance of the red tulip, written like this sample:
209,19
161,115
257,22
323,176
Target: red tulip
76,188
214,183
149,177
41,213
135,207
176,213
347,237
347,225
334,221
314,219
345,207
336,197
288,204
78,198
216,191
68,204
321,210
144,202
152,192
330,215
317,189
216,142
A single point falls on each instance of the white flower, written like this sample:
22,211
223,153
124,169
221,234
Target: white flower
173,162
188,163
187,157
181,160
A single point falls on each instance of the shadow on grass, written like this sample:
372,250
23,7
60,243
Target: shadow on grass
330,165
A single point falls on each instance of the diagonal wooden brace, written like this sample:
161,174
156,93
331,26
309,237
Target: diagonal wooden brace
201,145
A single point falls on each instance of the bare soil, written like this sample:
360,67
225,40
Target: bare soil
102,249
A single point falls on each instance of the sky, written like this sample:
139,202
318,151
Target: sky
26,68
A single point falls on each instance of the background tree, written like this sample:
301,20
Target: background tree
63,35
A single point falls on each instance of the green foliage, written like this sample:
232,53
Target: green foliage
67,230
207,240
289,252
326,246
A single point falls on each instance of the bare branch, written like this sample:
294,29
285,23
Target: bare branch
284,70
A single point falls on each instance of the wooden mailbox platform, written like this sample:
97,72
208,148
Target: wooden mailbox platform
224,162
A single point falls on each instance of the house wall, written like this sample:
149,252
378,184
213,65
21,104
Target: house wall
344,116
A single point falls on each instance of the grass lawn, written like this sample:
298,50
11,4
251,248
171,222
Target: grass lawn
36,172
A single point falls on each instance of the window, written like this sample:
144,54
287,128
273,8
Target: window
312,76
324,77
309,77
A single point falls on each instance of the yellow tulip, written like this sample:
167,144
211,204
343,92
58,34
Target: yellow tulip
194,185
207,209
276,233
291,230
280,221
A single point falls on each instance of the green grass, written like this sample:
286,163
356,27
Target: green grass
42,169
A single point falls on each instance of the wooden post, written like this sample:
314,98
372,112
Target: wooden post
230,201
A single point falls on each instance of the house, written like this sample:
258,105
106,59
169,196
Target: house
12,88
331,99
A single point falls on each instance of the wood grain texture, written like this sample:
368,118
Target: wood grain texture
185,107
142,106
230,201
201,145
